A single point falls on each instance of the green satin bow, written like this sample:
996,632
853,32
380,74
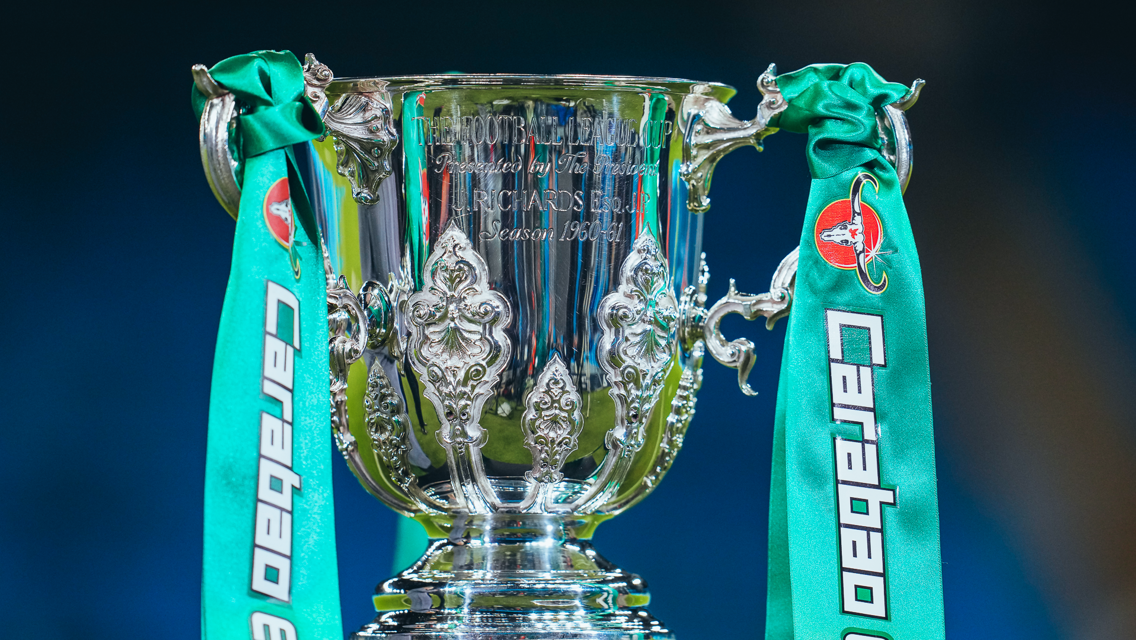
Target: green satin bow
836,106
270,85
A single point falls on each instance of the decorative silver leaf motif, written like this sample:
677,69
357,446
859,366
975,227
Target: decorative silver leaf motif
457,337
639,320
364,135
316,78
552,421
361,127
682,411
388,424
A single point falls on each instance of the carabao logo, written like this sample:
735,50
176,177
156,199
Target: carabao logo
849,234
278,213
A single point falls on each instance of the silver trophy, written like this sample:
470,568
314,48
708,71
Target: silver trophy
530,322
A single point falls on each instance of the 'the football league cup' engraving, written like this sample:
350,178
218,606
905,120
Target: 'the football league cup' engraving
602,130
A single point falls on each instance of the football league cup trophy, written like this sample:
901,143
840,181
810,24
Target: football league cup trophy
517,320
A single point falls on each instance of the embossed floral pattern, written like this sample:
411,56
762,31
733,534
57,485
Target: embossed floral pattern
457,342
387,424
552,421
639,321
682,412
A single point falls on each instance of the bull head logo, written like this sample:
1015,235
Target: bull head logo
853,233
282,210
278,217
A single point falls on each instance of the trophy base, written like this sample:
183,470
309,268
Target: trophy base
513,577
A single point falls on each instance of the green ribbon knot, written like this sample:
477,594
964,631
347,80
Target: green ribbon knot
836,106
270,87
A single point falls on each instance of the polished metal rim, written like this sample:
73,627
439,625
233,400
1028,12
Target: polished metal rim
497,80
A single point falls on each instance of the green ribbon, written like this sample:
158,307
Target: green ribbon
269,565
270,84
854,526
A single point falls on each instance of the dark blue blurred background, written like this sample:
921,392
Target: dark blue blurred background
114,259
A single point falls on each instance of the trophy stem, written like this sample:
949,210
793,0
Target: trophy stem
508,576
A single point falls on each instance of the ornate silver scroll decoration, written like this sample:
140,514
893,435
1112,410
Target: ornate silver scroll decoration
316,78
774,305
380,309
552,421
347,328
386,309
347,337
693,316
682,412
362,128
388,425
692,308
457,337
712,131
639,320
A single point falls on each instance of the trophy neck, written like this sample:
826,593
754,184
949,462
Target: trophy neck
544,530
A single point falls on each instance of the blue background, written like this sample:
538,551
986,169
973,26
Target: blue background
114,258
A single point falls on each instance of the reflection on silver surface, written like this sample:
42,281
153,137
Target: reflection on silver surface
388,425
213,140
682,412
541,231
773,305
552,423
458,348
637,344
347,330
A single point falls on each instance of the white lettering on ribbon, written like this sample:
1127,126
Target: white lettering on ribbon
272,540
269,627
860,496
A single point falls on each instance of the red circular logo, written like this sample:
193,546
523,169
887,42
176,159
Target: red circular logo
278,213
837,234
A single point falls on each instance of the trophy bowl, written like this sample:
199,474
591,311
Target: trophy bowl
518,319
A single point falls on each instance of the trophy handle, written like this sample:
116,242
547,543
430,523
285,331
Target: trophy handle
896,136
701,324
213,138
711,132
